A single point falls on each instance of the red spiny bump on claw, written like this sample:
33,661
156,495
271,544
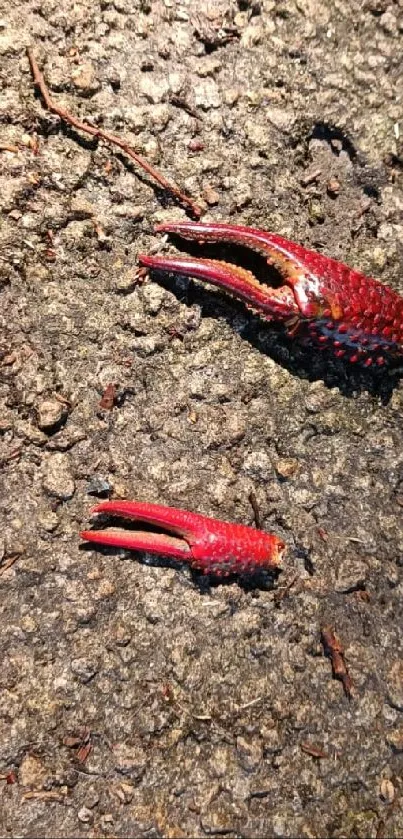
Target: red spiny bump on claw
356,314
208,545
223,548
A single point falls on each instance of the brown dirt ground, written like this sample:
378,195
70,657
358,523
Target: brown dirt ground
198,702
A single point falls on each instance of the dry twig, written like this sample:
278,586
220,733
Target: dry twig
99,133
312,750
333,648
255,508
45,795
10,561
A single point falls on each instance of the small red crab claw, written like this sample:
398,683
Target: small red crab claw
322,301
208,545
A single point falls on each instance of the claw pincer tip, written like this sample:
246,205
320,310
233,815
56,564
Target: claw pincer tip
208,545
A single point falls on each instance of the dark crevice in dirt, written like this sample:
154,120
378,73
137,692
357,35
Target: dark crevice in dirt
335,137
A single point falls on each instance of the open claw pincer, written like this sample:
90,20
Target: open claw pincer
321,301
208,545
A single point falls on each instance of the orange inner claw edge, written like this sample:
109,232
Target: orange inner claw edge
285,302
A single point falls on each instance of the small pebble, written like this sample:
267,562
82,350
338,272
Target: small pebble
32,772
333,187
125,793
387,791
84,815
211,195
153,297
98,486
48,521
286,467
50,413
84,669
257,465
351,575
58,480
394,685
249,754
83,77
395,740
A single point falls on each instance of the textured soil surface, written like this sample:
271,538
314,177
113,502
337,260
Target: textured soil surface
137,700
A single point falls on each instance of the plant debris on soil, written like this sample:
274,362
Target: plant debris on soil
137,699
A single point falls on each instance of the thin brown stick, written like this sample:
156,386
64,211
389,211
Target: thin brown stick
87,128
314,751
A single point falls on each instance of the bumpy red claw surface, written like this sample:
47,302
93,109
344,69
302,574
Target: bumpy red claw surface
208,545
322,301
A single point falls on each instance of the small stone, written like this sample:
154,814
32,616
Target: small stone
107,819
30,432
395,740
105,590
281,119
210,195
208,66
48,521
207,95
316,401
84,668
83,77
155,89
394,684
388,22
50,413
65,439
147,345
351,576
122,636
271,741
159,117
387,791
252,35
257,465
129,760
221,760
286,467
81,208
231,96
249,753
58,480
333,187
91,798
99,486
244,196
32,772
84,815
379,257
125,793
153,297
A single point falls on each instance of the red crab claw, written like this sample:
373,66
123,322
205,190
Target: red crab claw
208,545
322,301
